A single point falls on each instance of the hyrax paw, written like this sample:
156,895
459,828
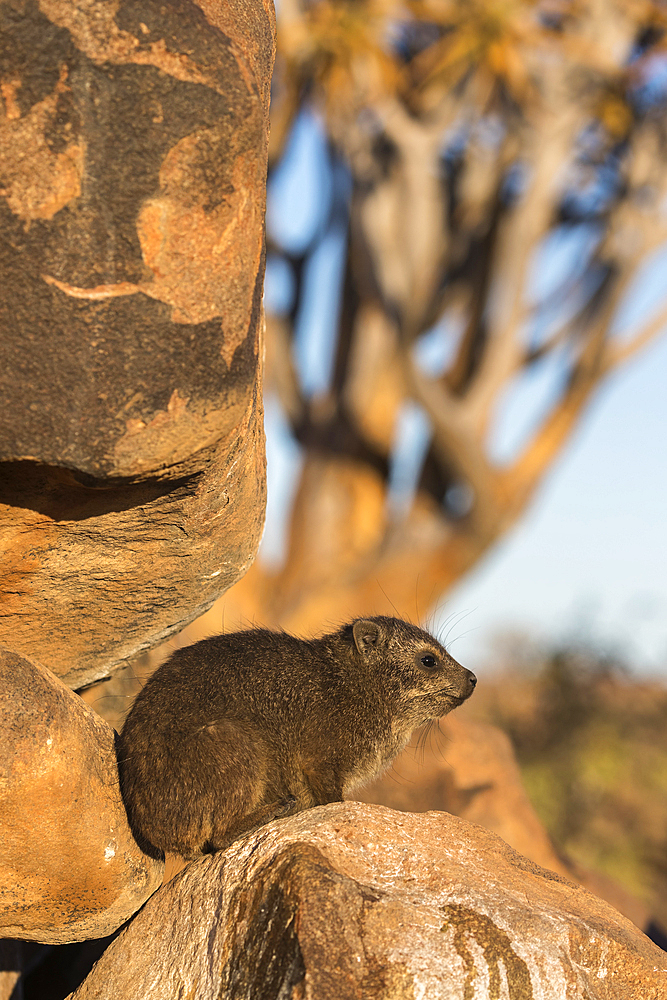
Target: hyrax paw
286,806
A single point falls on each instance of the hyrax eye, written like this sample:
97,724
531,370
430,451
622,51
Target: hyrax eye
428,661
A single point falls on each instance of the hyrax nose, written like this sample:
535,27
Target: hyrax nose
472,682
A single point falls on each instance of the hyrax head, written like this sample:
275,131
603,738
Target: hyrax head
425,681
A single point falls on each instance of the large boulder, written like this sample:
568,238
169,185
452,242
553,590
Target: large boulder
467,768
90,576
470,769
70,868
133,150
356,901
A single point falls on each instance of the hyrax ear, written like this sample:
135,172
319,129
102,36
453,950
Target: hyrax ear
368,635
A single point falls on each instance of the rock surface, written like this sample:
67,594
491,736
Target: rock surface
10,970
90,576
133,146
471,770
69,866
357,901
133,191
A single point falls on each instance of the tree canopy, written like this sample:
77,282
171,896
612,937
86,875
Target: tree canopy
504,183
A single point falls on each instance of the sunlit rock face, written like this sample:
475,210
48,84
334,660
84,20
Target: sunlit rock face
351,900
70,869
133,151
470,769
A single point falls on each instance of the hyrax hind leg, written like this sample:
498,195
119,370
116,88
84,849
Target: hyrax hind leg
223,836
230,781
244,799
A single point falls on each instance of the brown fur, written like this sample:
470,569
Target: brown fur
238,729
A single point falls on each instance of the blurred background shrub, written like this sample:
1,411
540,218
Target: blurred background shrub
591,741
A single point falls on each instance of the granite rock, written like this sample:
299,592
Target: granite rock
358,901
470,769
133,152
69,866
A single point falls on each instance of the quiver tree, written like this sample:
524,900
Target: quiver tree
504,183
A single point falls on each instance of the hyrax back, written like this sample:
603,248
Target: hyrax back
238,729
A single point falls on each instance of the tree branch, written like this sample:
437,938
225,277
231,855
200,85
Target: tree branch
455,442
547,147
521,479
280,371
617,354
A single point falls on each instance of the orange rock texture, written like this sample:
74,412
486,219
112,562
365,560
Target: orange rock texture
133,145
69,866
355,901
470,770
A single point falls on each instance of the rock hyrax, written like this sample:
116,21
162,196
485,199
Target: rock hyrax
239,729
